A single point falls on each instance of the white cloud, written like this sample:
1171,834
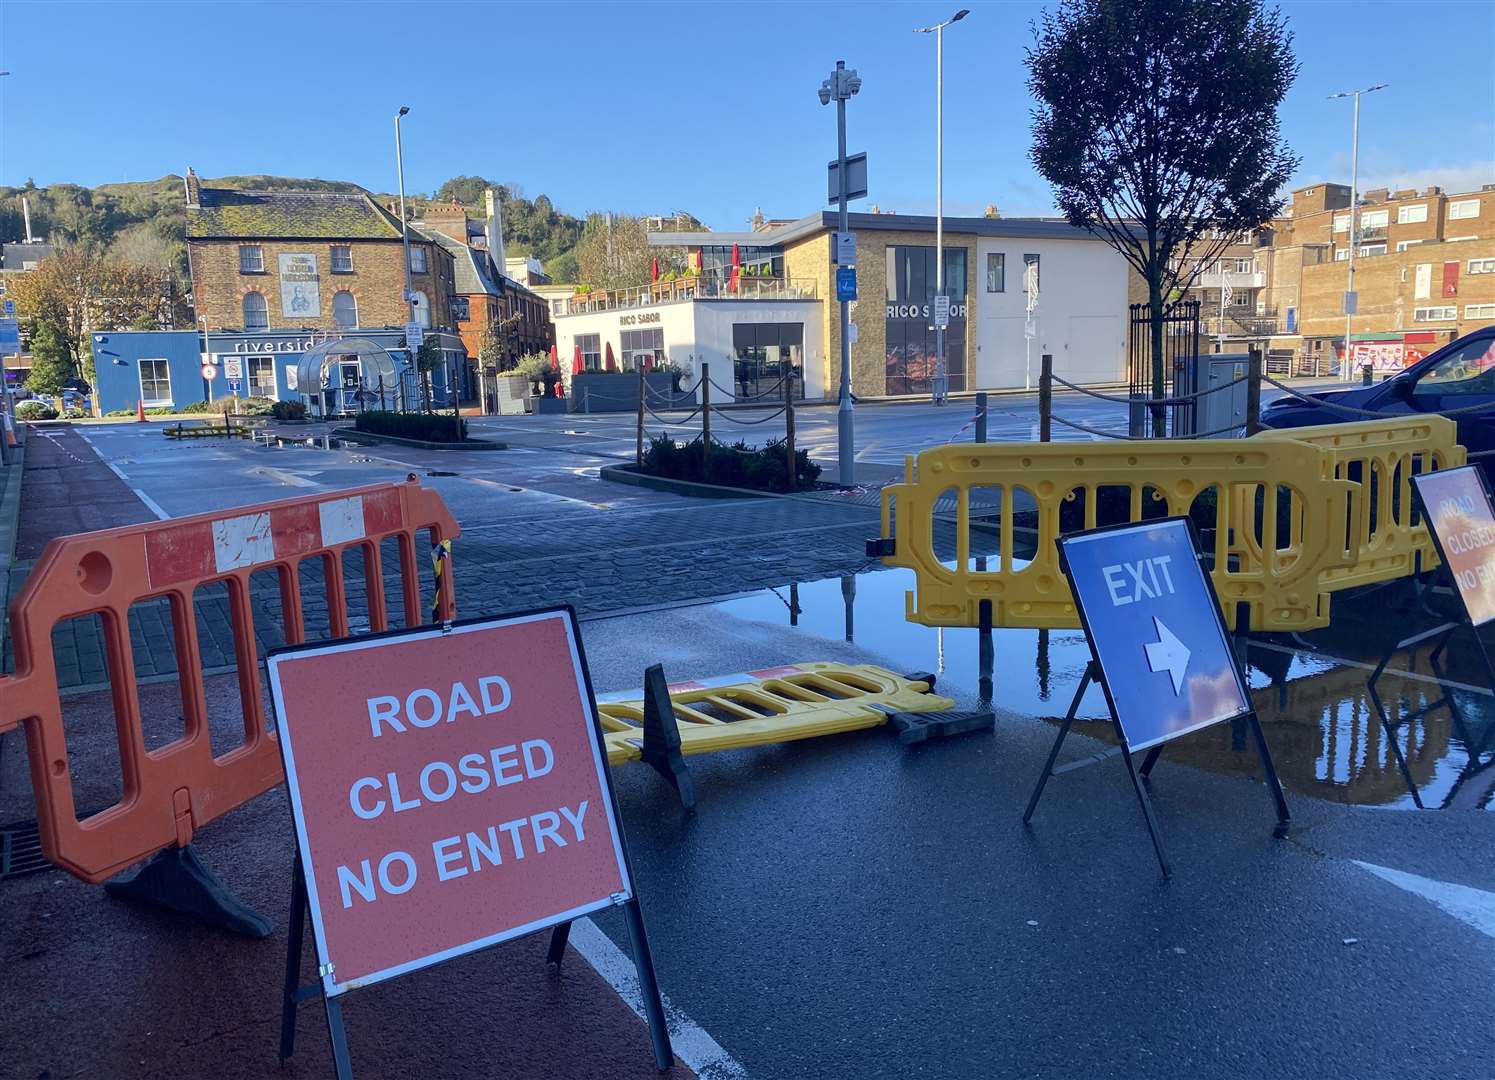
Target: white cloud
1469,176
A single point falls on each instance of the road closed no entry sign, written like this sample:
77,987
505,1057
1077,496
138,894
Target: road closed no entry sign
449,791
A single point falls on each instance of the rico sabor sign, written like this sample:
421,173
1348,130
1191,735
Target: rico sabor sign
449,791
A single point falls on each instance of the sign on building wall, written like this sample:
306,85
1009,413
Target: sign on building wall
300,286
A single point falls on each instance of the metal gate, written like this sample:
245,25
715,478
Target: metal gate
1180,366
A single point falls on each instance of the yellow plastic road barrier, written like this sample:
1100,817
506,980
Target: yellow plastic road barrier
1283,489
774,705
1383,534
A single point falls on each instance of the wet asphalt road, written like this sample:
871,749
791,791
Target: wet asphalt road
847,907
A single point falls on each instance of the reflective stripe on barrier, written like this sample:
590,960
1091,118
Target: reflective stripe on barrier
1384,537
774,705
168,792
1282,489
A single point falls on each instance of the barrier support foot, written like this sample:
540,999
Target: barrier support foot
661,748
178,881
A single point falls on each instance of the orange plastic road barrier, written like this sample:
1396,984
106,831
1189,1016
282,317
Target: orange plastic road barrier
172,791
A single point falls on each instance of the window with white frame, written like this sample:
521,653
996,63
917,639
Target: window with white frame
1479,311
256,312
1372,249
1341,222
342,259
1342,254
251,259
1482,266
344,310
155,383
262,376
1464,208
1403,245
1433,314
417,260
1374,219
591,351
1411,215
420,303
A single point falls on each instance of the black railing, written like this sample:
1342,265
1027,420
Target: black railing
1180,356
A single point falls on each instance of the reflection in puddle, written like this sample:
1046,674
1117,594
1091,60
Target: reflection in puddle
1325,736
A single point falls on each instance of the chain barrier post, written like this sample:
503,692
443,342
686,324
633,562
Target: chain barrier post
789,455
1045,397
638,455
981,416
705,420
1253,390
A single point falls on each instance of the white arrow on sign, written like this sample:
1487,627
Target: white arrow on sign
1168,654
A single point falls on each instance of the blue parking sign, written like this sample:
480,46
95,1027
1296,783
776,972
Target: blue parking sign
1159,649
846,283
1155,627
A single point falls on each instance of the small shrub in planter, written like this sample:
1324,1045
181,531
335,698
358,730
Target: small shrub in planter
35,410
288,410
737,465
428,427
256,406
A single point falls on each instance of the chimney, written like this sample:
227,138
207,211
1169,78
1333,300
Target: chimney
194,189
26,212
493,229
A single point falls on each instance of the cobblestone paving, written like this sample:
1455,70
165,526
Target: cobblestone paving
596,560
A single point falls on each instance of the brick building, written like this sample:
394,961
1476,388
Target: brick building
484,296
308,259
1424,275
278,274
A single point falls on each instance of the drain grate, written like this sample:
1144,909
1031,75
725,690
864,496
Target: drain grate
21,850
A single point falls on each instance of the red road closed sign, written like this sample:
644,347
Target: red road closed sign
449,790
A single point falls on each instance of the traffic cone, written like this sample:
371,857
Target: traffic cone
140,410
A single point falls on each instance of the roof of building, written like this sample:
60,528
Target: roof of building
293,214
821,221
15,255
471,272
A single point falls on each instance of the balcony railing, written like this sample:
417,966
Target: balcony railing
1237,279
690,288
1238,326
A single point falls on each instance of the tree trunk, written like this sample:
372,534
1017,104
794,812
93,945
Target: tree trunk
1155,329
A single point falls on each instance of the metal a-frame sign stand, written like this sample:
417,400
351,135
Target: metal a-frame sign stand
1440,635
1096,672
294,993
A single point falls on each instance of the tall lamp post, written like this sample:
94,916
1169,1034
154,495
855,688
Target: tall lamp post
843,84
941,389
1349,288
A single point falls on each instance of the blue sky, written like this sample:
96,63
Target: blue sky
640,107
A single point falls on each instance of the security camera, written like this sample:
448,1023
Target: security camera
825,92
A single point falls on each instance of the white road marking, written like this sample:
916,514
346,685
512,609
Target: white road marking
150,503
693,1044
1469,905
1401,672
286,477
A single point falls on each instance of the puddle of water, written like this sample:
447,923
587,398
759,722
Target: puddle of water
1326,738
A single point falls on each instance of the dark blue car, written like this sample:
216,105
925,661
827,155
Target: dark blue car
1459,376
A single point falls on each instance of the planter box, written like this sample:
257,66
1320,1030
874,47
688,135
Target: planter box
510,394
604,392
550,406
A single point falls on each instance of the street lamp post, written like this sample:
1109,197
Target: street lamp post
1349,289
941,389
842,85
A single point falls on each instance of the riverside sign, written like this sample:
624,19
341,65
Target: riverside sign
450,791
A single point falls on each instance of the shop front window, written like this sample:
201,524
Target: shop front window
763,355
910,356
646,346
262,376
